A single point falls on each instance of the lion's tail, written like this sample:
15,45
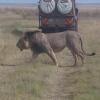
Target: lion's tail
85,53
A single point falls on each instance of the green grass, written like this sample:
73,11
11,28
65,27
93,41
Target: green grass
25,82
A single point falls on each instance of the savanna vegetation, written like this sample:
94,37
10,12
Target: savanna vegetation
21,79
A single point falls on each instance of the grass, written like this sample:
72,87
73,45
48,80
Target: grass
24,82
87,89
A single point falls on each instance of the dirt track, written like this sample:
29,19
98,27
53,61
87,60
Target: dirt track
63,84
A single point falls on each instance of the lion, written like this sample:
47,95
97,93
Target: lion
40,42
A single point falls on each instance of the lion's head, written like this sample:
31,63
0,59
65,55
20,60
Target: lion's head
23,44
24,41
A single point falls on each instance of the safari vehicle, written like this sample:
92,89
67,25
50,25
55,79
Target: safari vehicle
57,15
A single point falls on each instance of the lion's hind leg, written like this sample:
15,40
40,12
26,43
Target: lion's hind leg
75,59
82,58
77,54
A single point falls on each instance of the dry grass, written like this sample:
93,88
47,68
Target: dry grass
41,80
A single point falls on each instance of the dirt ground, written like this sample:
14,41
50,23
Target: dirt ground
21,79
